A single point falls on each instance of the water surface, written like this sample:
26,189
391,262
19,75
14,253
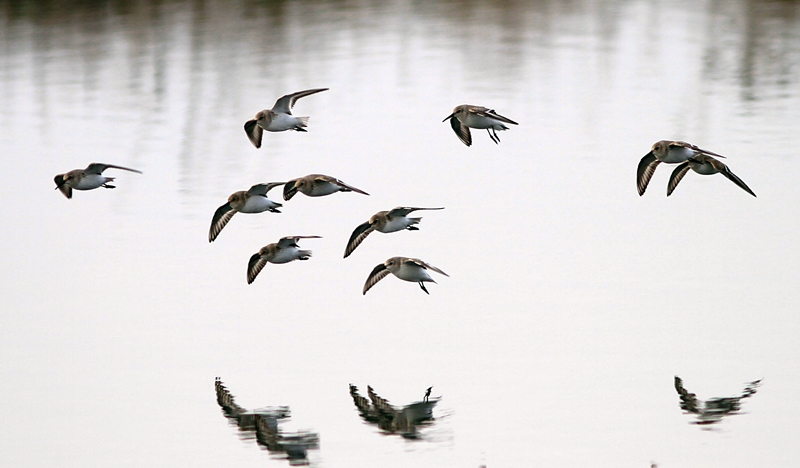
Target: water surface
572,303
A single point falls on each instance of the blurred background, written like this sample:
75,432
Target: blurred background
572,302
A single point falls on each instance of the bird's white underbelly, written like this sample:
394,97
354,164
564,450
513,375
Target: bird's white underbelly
281,122
477,121
91,181
396,224
258,204
411,272
285,255
322,189
678,155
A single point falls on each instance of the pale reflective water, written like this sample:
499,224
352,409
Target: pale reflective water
571,303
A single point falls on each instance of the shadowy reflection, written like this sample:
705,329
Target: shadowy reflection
712,411
262,425
403,421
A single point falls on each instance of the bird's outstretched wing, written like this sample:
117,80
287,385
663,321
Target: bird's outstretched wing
285,103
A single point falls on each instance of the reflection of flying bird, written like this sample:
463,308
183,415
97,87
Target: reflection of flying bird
670,152
317,185
389,418
407,269
712,411
466,116
283,251
384,221
262,425
245,420
254,200
279,118
295,445
705,165
87,179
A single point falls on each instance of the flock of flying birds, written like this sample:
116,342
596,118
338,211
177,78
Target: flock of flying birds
463,117
263,424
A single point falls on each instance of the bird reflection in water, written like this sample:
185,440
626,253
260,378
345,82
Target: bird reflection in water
403,421
712,411
262,425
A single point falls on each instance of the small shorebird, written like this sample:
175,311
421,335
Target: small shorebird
253,200
317,185
670,152
386,222
712,411
407,269
279,118
87,179
283,251
705,165
466,116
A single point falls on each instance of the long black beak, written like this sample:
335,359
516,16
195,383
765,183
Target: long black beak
449,117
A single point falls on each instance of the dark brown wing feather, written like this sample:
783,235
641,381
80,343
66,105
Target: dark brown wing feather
98,168
62,187
645,170
494,115
358,236
733,178
221,217
254,132
676,177
254,267
263,189
289,190
462,131
286,103
377,274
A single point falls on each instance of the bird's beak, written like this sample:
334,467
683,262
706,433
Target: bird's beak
449,117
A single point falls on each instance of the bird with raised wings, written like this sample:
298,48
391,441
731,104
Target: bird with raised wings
284,251
384,221
670,152
87,179
466,116
253,200
407,269
279,118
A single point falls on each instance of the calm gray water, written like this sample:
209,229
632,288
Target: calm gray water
572,303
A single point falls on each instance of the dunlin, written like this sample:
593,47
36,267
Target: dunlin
253,200
279,118
670,152
283,251
384,221
317,185
466,116
407,269
87,179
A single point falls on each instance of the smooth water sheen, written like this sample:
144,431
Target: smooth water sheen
572,303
